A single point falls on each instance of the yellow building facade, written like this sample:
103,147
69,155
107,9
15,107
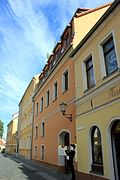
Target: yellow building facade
11,135
25,120
97,86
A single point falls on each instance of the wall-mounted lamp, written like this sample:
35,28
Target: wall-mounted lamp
63,108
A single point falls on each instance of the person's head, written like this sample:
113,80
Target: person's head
72,146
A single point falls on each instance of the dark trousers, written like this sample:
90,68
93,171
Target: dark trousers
72,170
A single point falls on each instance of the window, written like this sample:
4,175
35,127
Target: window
42,152
48,98
42,129
41,104
65,81
36,132
109,56
36,109
97,159
55,90
90,73
35,152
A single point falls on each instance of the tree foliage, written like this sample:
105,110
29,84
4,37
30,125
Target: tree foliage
1,129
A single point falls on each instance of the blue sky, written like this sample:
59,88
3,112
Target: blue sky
28,31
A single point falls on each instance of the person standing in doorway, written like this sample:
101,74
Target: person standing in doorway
70,156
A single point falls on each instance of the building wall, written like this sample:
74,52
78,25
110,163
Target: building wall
25,120
86,21
55,122
11,135
98,106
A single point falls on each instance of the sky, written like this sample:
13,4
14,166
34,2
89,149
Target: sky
29,30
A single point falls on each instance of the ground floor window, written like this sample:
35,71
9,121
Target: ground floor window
97,159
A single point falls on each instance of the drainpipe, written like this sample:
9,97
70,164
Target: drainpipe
33,104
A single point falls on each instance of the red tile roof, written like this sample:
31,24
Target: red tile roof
79,14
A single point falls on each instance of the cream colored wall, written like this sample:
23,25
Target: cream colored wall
92,46
25,120
105,105
84,23
101,118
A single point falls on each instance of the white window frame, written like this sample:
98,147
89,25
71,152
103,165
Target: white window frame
42,153
41,103
54,97
84,74
35,151
36,132
101,53
37,105
47,104
42,129
63,80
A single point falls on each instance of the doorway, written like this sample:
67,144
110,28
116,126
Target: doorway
115,139
64,140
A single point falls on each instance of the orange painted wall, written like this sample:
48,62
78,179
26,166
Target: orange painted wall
55,122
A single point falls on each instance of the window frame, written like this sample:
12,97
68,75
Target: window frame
35,151
101,54
64,89
47,98
96,166
37,106
36,132
42,129
42,152
84,72
41,104
55,90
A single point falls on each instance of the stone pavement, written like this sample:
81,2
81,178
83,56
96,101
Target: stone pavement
44,171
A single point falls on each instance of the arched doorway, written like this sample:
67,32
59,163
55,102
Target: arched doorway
64,140
115,139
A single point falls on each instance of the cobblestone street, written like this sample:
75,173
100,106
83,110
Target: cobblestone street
12,168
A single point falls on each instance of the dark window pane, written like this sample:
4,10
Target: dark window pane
90,73
110,56
97,164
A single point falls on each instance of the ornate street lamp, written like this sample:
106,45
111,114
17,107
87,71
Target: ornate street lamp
63,108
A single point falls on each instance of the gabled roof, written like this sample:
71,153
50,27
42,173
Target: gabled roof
92,10
93,29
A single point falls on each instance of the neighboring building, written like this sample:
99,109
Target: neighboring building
52,131
97,85
24,133
11,135
2,145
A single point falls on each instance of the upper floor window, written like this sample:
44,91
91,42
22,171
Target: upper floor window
36,132
48,98
65,81
42,152
36,109
55,90
97,159
41,104
42,129
35,152
89,73
109,56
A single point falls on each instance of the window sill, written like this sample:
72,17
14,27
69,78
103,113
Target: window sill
54,99
64,91
97,169
109,75
89,89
